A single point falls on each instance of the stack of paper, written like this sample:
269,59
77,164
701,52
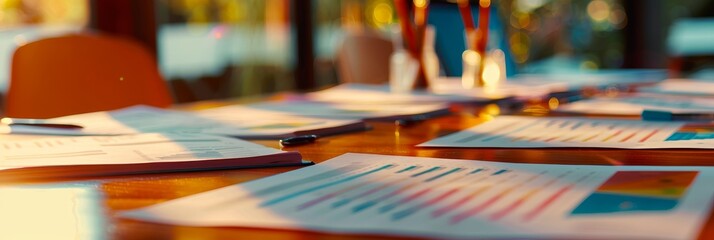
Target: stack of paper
233,121
133,154
357,111
451,90
380,94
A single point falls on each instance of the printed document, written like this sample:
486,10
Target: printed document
556,132
440,198
131,154
234,121
634,104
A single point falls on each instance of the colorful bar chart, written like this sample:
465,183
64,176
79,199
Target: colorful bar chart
364,193
456,194
532,132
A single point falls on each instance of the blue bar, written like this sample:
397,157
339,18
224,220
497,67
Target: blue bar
503,135
470,138
476,171
703,136
388,207
443,174
406,169
550,123
312,189
681,136
502,171
363,206
341,203
427,171
404,213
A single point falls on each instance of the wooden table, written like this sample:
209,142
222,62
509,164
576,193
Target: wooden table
86,208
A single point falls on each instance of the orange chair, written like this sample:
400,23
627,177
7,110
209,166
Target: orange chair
82,73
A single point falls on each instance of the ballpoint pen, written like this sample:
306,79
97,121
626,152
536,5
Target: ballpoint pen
37,123
298,140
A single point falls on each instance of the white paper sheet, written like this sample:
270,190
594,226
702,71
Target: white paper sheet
451,90
231,121
578,79
547,132
634,104
356,111
427,197
148,152
691,87
380,94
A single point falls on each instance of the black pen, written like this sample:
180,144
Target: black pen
298,140
655,115
410,121
37,123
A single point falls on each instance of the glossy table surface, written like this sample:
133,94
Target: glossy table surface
86,208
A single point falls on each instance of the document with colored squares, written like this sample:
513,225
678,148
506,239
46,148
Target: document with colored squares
429,197
559,132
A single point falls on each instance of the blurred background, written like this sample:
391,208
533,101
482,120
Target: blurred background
214,49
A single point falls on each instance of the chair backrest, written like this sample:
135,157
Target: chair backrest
363,57
82,73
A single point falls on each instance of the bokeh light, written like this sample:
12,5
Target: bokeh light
598,10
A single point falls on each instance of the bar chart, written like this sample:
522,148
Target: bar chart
364,193
526,132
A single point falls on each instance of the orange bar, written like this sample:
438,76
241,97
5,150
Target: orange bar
406,26
483,16
467,18
421,10
482,36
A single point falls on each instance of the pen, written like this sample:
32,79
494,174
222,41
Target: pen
406,26
655,115
37,123
409,121
298,140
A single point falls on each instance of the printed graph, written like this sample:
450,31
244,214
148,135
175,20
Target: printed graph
571,131
445,198
445,194
530,132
